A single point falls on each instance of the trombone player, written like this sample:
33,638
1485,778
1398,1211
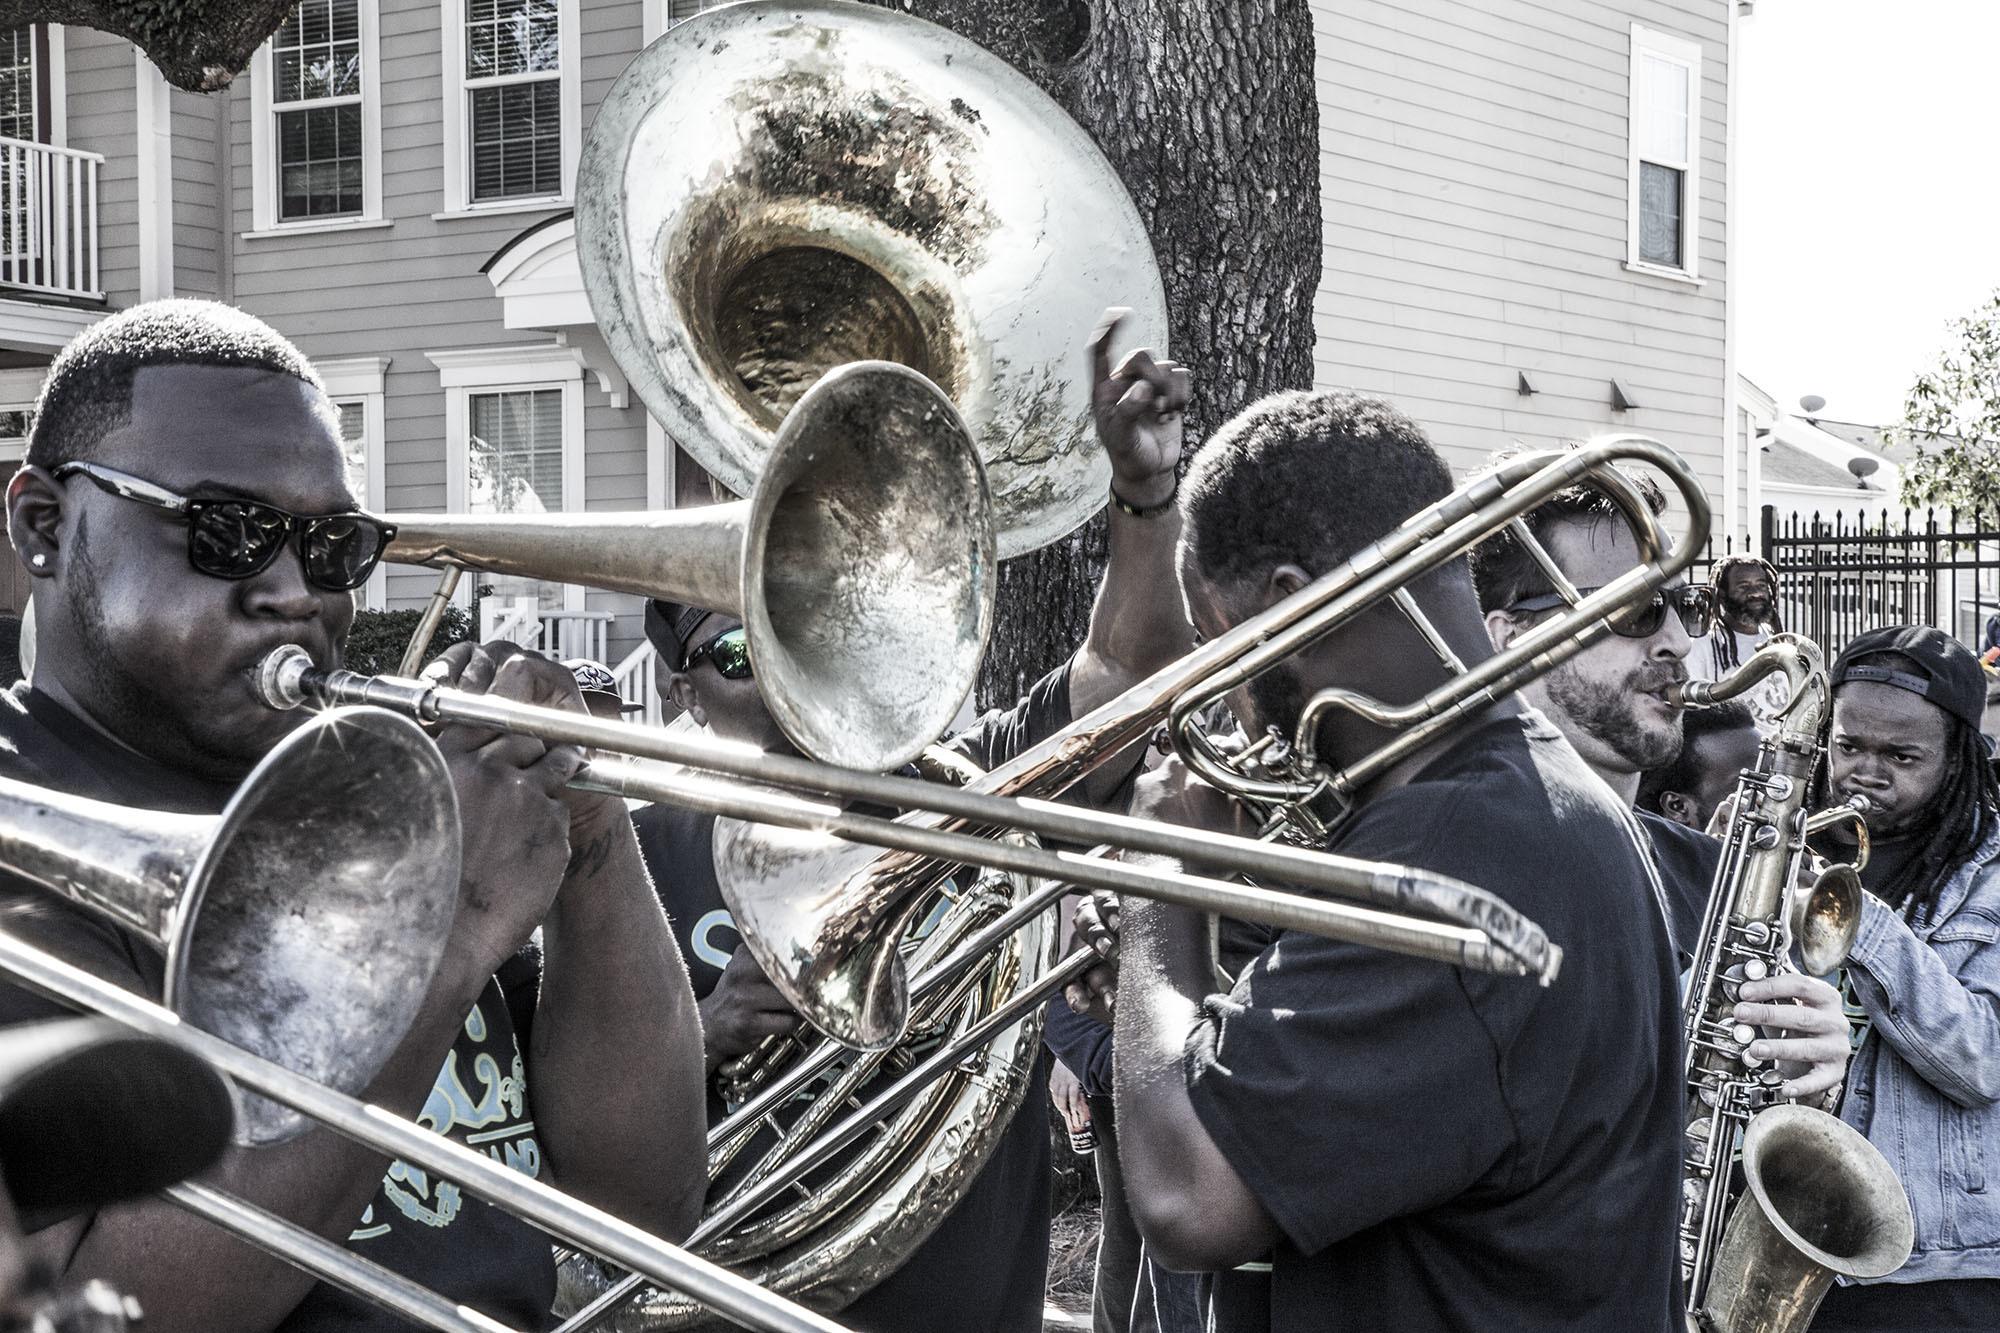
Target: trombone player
1415,1145
987,1261
183,510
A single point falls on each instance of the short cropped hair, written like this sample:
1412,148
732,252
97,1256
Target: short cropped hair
1684,773
88,391
1503,573
1305,478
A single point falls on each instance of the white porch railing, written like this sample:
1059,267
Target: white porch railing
638,684
558,634
48,219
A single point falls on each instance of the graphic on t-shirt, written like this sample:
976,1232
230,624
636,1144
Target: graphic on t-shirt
701,941
487,1111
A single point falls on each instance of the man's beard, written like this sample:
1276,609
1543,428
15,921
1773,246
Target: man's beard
1609,711
1757,610
1279,699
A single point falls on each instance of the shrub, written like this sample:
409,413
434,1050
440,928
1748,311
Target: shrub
375,644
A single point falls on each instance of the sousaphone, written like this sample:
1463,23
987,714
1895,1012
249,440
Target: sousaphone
768,192
772,190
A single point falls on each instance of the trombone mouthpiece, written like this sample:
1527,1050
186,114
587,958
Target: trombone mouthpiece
281,676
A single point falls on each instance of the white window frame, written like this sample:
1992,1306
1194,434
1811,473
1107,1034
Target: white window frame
359,379
467,371
19,390
458,115
264,218
1685,54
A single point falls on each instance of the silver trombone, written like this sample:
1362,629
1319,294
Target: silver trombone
570,1220
654,764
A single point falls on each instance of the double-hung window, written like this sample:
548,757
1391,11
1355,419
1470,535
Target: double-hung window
1664,154
316,119
514,445
316,95
18,92
513,103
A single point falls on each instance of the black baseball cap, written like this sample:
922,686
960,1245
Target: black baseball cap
669,626
1946,674
92,1113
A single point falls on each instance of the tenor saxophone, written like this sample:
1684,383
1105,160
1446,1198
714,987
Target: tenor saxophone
1818,1200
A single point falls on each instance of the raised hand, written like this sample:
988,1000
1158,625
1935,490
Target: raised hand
1138,412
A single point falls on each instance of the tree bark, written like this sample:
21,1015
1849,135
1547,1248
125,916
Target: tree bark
1208,112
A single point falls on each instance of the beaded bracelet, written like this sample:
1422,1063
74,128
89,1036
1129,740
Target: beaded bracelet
1126,506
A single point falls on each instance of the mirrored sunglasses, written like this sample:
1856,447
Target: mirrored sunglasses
236,539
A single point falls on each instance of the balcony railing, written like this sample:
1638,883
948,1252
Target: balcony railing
48,219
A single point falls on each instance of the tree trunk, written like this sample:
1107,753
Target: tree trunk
1208,112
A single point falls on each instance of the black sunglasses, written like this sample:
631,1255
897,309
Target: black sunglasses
1694,603
729,650
234,539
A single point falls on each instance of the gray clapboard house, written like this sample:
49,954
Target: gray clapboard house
1526,237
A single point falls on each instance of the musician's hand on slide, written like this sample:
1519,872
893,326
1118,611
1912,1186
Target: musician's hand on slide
511,802
1138,410
1812,1055
1095,925
546,684
742,1010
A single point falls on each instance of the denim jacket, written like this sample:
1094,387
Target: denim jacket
1925,1086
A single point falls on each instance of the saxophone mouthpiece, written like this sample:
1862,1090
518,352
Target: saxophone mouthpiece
1691,693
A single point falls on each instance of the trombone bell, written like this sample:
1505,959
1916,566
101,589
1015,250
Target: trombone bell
862,566
302,923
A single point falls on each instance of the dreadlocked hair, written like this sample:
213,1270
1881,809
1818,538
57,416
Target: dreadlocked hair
1964,808
1718,578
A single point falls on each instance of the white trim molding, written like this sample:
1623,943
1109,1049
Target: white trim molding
58,77
155,147
360,379
1652,53
36,326
458,201
265,221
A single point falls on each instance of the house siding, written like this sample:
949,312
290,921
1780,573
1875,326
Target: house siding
199,125
1473,169
101,89
1473,176
416,286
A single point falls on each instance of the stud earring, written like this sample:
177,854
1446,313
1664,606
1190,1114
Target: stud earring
39,561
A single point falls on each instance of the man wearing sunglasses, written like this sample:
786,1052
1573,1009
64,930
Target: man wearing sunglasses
1611,701
183,510
987,1261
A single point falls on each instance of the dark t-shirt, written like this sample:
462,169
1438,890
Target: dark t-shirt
425,1229
984,1270
1442,1148
1687,860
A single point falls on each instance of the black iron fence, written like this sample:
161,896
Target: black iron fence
1840,575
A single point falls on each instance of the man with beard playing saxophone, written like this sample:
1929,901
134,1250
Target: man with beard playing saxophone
1612,701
